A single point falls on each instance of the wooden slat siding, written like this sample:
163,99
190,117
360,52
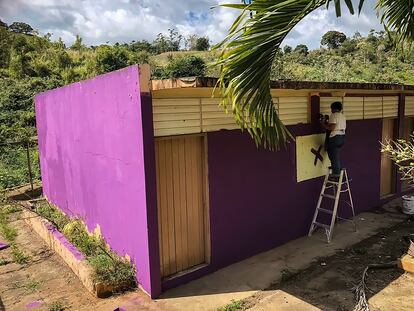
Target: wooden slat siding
372,107
183,202
387,172
409,105
326,104
180,186
215,117
390,107
176,200
176,116
354,108
294,110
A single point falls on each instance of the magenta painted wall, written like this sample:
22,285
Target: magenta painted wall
256,203
91,143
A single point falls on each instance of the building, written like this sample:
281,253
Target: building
170,181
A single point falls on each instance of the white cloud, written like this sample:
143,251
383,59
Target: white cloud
100,21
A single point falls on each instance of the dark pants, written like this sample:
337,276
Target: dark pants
334,147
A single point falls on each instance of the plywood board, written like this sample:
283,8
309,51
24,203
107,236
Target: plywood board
311,158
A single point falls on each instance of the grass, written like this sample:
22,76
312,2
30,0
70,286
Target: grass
107,267
33,285
233,306
18,256
10,233
56,306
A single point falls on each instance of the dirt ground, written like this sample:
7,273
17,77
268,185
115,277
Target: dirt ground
327,283
45,280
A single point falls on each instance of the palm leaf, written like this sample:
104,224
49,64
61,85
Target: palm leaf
248,51
398,15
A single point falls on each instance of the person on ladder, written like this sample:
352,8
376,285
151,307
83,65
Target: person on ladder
336,127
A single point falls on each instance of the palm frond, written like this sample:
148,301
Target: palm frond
246,58
398,15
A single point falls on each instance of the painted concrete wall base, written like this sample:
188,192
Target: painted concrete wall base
70,254
407,263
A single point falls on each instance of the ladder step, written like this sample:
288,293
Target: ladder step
318,224
325,211
328,196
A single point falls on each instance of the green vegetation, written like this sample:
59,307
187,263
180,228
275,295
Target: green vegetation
30,64
108,267
57,306
8,232
253,45
233,306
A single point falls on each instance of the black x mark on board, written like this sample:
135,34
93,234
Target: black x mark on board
317,154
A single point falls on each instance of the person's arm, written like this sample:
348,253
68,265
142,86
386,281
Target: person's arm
329,126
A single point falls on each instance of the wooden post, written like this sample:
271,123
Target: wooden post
315,108
29,166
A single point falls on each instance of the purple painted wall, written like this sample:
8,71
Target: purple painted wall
255,201
91,143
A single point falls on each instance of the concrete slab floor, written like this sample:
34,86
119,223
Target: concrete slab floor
245,278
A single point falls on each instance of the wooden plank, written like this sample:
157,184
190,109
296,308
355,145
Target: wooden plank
177,205
176,124
173,102
189,153
387,170
183,201
176,117
164,208
157,174
175,109
177,131
409,106
206,205
354,108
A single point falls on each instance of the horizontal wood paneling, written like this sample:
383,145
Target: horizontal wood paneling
294,110
372,107
354,108
390,106
215,117
409,105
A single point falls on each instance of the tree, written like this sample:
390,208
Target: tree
187,66
333,39
110,59
3,24
248,52
77,45
287,49
202,44
301,49
20,27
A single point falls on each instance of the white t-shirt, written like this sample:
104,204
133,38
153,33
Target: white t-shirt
339,119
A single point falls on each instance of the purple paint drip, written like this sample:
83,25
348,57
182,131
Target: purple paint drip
34,304
3,246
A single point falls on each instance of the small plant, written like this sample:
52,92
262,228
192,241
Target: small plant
4,262
33,285
7,231
18,256
233,306
401,152
107,266
56,306
52,214
112,270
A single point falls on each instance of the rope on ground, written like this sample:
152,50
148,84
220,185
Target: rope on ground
361,287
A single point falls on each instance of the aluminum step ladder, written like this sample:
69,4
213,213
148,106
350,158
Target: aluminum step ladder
338,186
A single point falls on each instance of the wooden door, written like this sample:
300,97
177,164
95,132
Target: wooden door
387,168
182,208
408,132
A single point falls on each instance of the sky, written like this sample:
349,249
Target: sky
110,21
